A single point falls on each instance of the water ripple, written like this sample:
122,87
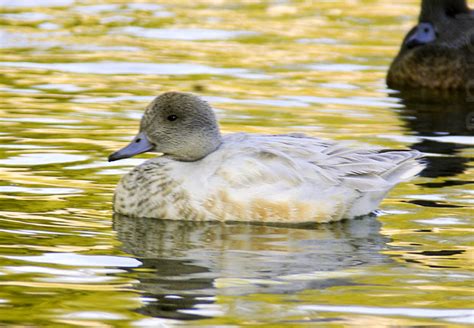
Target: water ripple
453,315
41,191
108,67
42,159
182,34
29,3
76,260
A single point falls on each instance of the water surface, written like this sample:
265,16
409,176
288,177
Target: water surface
74,79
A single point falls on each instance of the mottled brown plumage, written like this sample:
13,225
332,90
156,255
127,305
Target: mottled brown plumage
439,51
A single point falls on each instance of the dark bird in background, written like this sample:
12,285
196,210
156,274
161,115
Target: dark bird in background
437,53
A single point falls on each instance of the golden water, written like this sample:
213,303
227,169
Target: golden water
75,77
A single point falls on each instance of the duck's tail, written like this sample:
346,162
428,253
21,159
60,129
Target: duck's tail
406,165
399,165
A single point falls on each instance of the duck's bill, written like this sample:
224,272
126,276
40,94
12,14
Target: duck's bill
423,33
140,144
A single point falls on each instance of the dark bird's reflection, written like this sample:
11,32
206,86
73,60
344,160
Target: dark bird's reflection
434,115
186,264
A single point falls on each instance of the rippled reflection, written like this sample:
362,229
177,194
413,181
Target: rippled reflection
444,121
188,263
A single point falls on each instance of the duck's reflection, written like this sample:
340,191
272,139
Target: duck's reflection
188,263
435,116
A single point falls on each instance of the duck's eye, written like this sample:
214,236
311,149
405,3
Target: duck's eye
172,118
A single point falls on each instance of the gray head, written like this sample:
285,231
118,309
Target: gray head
179,125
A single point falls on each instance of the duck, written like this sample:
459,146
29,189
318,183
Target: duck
203,175
437,53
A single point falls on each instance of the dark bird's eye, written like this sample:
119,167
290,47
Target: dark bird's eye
172,118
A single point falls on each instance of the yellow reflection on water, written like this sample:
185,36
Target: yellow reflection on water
74,82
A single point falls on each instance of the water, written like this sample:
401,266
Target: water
75,77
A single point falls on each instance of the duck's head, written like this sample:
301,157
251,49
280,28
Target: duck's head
440,20
179,125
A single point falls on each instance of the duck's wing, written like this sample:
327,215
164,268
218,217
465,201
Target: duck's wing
371,169
297,160
256,161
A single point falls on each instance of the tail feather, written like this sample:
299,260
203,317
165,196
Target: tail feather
381,171
407,165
